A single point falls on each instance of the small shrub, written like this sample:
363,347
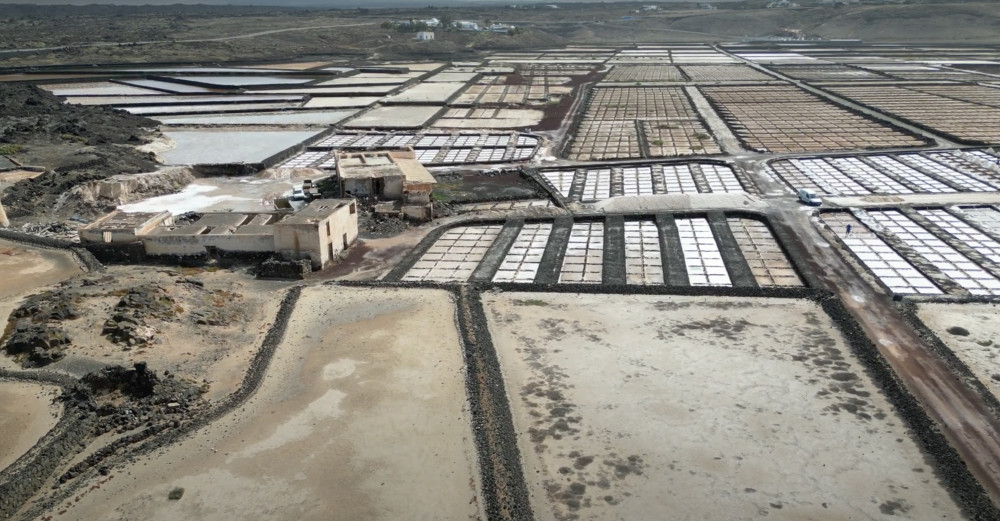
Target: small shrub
176,493
11,149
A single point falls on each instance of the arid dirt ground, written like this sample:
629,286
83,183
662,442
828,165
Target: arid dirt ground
631,407
27,412
216,354
26,268
362,413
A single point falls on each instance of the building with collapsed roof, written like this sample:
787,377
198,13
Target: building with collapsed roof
318,232
392,175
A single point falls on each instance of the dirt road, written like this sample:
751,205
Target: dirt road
960,413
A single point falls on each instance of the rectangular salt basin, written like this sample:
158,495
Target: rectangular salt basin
244,81
426,93
295,117
222,147
633,407
201,109
395,116
105,88
340,102
177,88
166,99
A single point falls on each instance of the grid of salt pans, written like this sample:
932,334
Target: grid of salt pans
956,266
796,178
705,266
440,148
504,205
678,179
985,156
893,270
426,155
955,177
643,264
523,153
637,180
305,159
767,262
455,255
829,177
955,160
721,179
491,154
988,218
562,180
597,185
457,155
521,262
961,230
584,259
923,182
869,176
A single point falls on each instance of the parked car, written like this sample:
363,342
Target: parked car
809,197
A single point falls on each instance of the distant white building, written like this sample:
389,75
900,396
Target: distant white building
500,28
465,25
425,35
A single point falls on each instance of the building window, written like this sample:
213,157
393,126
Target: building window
328,229
353,209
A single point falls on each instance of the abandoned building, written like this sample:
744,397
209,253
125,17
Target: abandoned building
318,232
392,175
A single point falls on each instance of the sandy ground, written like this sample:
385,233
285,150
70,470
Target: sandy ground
362,415
980,349
26,414
216,355
25,268
631,407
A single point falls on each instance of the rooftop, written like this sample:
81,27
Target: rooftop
383,163
317,210
119,220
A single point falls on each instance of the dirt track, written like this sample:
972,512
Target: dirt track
963,417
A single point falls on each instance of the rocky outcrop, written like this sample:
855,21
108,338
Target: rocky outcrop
33,334
121,189
127,324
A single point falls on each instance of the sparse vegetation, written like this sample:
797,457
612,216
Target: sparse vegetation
10,149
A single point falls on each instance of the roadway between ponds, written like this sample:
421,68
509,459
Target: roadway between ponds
960,412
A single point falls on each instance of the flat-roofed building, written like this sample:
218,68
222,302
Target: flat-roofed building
318,232
123,227
391,175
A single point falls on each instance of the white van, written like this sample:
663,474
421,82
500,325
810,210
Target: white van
809,197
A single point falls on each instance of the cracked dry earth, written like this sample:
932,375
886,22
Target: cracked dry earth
637,407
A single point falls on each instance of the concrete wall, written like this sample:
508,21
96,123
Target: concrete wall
313,241
418,193
188,245
392,187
